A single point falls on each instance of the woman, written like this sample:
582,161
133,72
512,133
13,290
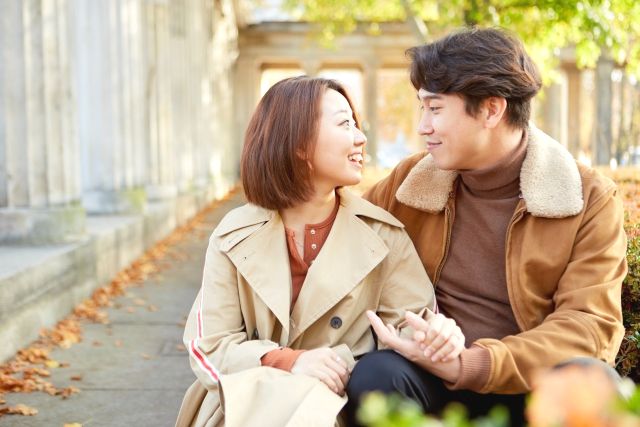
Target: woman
279,321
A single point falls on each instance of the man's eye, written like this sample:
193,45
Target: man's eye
434,109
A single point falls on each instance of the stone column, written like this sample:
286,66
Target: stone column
39,179
161,161
574,84
106,39
311,67
370,107
555,109
603,99
245,98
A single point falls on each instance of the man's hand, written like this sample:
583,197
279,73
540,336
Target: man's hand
325,365
439,336
410,349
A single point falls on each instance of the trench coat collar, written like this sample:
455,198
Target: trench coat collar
255,241
550,181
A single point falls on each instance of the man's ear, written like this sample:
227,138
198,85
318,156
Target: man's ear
495,108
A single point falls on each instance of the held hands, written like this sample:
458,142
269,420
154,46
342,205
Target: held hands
325,365
432,339
439,337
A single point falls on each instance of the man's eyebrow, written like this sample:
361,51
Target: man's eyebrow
428,97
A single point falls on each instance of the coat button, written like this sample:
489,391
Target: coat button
336,322
255,335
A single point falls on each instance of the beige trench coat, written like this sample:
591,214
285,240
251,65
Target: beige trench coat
243,311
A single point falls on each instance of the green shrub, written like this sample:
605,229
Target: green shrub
627,362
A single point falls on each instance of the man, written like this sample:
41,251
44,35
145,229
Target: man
526,247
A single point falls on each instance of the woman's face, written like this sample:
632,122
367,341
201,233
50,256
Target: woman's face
338,157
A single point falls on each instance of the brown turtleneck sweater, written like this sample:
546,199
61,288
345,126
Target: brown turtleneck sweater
472,287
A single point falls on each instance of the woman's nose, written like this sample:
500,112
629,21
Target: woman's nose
359,137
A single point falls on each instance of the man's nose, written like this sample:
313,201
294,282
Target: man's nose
424,126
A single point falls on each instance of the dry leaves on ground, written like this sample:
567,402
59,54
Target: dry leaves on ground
26,373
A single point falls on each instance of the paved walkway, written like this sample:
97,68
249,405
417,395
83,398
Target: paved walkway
134,370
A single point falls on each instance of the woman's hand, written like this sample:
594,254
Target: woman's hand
325,365
439,337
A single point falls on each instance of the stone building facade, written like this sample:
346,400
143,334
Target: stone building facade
114,128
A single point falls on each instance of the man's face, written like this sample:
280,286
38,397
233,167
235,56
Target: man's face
456,140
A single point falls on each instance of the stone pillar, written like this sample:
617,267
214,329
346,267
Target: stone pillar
370,107
574,83
161,162
556,109
226,49
311,67
603,133
107,37
246,94
39,179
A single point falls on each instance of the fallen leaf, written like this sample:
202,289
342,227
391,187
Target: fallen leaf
145,356
181,347
72,425
152,307
19,409
118,343
68,391
130,309
96,343
52,364
139,301
76,377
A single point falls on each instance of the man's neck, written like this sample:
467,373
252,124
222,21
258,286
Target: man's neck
506,142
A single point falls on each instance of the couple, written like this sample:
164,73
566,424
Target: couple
312,297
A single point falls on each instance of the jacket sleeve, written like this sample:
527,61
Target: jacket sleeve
587,320
215,334
406,285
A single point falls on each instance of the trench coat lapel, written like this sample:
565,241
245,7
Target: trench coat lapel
350,252
263,260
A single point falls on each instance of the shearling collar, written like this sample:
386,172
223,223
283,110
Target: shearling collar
549,181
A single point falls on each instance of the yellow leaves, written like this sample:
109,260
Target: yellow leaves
33,355
73,425
26,373
52,364
18,410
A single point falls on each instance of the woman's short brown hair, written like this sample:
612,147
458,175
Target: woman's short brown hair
477,64
280,140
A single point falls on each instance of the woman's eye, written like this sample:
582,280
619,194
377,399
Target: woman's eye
346,122
434,109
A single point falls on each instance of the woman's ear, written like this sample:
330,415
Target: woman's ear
304,156
494,110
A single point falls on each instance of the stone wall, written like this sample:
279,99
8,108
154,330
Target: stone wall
115,126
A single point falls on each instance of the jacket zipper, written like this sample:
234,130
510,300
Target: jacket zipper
447,229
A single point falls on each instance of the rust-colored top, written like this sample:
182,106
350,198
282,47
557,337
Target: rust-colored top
314,237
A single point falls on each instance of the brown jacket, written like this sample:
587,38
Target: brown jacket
242,312
565,256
